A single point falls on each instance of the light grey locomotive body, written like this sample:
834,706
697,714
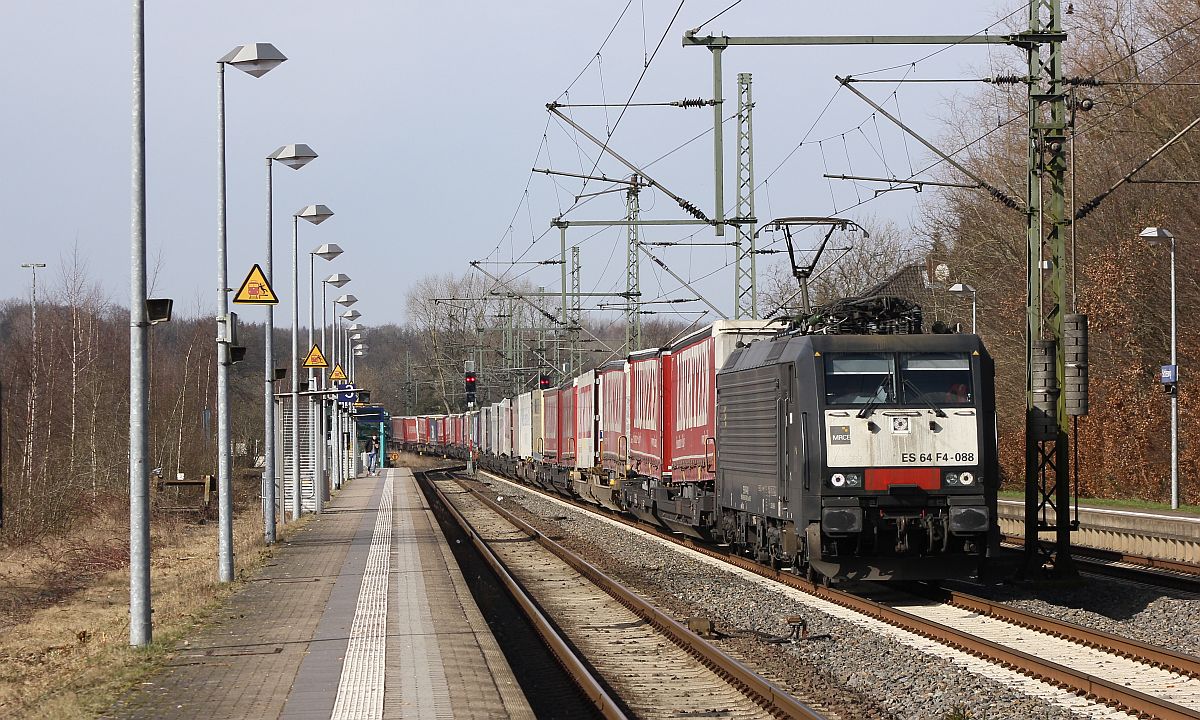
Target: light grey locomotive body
859,456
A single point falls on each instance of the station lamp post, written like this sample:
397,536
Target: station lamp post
1170,377
337,280
336,343
962,290
295,157
328,252
344,352
256,60
315,214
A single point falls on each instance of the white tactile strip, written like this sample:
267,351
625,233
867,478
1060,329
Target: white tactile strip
360,690
1049,693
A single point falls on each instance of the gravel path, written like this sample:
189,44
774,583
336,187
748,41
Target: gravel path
855,671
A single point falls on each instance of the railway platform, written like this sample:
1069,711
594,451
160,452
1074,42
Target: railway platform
1167,535
363,613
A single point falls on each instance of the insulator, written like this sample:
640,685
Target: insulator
693,210
1043,367
691,103
1007,79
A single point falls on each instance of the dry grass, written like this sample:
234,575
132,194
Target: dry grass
64,611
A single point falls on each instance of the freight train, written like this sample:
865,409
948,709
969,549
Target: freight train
868,457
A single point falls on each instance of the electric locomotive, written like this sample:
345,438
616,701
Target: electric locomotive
869,457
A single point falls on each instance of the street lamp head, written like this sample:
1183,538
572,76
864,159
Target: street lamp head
356,327
346,301
337,279
356,336
1156,235
294,156
361,347
315,214
328,251
255,59
961,290
352,315
359,353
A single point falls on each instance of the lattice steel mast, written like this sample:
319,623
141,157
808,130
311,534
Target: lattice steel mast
745,294
633,289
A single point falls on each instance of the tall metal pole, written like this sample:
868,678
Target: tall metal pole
296,505
718,144
140,627
224,332
745,301
269,471
1174,396
633,286
315,419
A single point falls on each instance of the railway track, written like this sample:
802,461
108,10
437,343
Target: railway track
631,659
1135,677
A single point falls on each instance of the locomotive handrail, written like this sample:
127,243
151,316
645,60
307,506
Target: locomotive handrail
804,446
707,440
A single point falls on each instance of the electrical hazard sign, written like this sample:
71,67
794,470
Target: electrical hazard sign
256,290
338,373
315,359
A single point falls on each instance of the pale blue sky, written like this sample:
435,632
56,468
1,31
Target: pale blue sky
427,118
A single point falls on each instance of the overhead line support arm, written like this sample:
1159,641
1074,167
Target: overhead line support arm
687,206
1004,198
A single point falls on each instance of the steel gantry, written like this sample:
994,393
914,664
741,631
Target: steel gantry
1047,471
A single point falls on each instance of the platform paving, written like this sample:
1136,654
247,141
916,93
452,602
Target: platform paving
279,647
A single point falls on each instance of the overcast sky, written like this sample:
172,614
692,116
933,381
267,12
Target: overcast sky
427,118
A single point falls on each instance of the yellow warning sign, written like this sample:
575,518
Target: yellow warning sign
315,359
256,290
338,373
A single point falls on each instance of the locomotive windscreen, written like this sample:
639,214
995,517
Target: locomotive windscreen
941,378
860,378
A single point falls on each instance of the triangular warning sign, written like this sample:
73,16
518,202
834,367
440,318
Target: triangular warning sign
338,373
315,359
256,290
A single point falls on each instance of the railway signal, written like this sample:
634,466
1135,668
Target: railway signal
543,382
469,381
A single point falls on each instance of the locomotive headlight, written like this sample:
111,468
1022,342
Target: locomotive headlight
853,480
952,478
966,478
837,480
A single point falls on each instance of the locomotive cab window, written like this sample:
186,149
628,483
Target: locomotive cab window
859,378
941,378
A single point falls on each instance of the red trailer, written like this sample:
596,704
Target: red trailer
690,376
646,413
550,413
614,415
